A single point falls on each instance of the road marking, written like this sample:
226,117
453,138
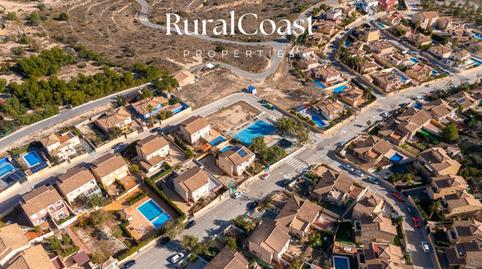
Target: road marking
297,164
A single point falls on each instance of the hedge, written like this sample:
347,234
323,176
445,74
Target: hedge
150,182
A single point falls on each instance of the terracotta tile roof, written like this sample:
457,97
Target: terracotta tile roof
142,106
330,107
228,259
112,119
32,258
38,199
12,237
74,179
237,155
152,144
270,236
107,164
411,120
327,179
438,159
438,108
194,124
193,179
328,72
371,146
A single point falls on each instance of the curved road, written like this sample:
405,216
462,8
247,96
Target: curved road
278,45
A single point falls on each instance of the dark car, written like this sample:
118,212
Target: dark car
190,224
398,196
252,205
129,264
164,240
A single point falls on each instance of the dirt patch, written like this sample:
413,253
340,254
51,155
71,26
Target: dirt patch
233,116
211,87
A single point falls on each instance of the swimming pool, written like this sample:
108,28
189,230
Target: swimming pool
341,262
226,148
32,159
153,213
381,25
257,129
5,168
216,141
396,158
403,79
414,60
320,84
417,105
318,121
435,73
340,89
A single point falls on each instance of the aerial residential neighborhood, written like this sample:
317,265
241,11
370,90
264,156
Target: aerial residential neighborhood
264,134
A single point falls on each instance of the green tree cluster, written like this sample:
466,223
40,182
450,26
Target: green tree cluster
268,155
289,126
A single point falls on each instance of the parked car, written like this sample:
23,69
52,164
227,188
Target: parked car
236,194
347,167
265,176
373,179
129,264
163,240
190,224
359,173
398,196
385,114
425,246
252,205
417,222
176,258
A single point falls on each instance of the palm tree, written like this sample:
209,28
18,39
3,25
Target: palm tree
435,207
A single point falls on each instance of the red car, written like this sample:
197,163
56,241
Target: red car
416,222
398,196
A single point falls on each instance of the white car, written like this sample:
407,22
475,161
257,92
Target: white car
236,194
385,114
176,258
425,246
359,173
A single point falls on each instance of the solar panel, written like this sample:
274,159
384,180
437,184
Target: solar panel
235,148
39,167
17,176
242,153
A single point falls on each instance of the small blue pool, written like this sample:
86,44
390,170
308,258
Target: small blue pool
6,168
381,25
347,43
417,105
216,141
32,159
341,262
318,121
414,60
153,213
257,129
403,79
319,84
340,89
435,73
396,158
476,61
226,148
179,109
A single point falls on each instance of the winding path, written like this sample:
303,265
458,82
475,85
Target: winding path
278,45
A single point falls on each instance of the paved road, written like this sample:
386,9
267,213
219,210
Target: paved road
219,217
25,133
8,203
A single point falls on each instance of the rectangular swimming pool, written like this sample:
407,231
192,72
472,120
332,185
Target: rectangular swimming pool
320,84
153,213
341,262
32,158
396,158
340,89
5,169
216,141
257,129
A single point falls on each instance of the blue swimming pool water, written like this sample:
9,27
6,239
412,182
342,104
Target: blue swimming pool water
226,148
417,105
32,158
381,25
319,84
341,262
478,36
340,89
435,73
414,60
4,160
477,62
5,169
153,212
257,129
402,79
216,141
347,43
396,158
318,121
